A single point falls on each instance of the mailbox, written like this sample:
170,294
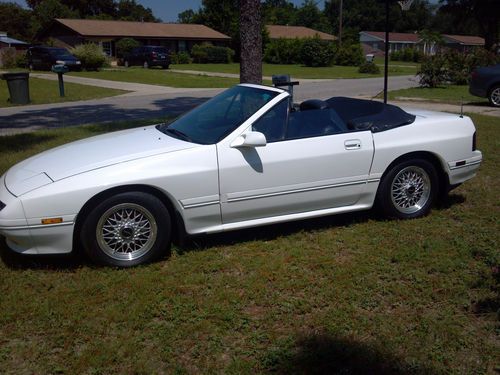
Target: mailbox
60,69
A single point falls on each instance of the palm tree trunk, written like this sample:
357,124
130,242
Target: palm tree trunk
251,42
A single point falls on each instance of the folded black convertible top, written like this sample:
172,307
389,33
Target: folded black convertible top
360,114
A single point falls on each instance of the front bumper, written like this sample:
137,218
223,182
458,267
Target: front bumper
31,239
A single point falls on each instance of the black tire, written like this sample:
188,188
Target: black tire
408,189
126,230
494,96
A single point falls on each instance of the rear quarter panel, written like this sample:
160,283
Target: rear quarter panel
447,136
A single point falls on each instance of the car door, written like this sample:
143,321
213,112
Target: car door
293,173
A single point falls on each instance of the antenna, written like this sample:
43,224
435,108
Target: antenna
462,107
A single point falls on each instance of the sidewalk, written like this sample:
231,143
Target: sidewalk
136,89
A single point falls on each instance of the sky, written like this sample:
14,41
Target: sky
168,10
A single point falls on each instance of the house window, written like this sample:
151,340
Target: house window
106,47
182,46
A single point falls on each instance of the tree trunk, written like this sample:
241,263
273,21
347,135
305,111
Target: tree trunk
251,42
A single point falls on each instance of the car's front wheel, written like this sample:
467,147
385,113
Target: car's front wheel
126,230
494,96
408,189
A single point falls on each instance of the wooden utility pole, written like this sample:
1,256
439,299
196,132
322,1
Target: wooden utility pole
251,42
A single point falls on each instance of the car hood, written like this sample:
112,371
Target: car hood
89,154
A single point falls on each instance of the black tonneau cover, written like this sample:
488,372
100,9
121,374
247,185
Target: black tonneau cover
361,114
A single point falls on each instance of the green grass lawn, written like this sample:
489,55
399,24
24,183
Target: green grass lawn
159,77
447,94
297,71
342,294
43,91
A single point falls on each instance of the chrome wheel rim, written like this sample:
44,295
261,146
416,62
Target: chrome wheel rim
410,190
126,231
495,96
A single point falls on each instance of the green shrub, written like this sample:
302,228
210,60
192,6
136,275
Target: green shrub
21,60
180,58
433,71
481,57
125,45
369,67
283,51
8,58
207,53
349,55
457,70
317,52
91,56
407,54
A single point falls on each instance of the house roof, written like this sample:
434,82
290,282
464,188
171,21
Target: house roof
415,38
100,28
468,40
7,40
394,37
292,32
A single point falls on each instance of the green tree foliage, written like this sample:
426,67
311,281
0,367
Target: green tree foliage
471,17
349,55
309,15
15,21
278,12
44,11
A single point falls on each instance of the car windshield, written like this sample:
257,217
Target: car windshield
61,53
217,117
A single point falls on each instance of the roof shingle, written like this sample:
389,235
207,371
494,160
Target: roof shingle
292,32
101,28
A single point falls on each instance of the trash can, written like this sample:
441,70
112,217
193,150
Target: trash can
369,57
19,89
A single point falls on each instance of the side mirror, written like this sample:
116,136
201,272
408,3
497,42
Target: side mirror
250,139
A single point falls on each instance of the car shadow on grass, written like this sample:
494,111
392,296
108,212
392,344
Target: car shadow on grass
273,231
327,354
190,244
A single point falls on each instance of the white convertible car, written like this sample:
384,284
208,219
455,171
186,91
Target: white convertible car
247,157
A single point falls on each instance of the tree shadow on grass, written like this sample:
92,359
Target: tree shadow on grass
326,354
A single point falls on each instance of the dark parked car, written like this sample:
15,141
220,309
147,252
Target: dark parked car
148,56
485,82
43,58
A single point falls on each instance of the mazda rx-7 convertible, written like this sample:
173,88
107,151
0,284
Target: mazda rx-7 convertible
247,157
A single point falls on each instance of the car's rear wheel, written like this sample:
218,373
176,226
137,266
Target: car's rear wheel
127,229
408,190
494,96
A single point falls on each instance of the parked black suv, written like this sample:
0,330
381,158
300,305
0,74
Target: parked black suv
485,82
148,56
43,58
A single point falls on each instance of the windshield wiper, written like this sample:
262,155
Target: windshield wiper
179,134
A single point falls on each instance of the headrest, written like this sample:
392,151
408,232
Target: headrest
313,104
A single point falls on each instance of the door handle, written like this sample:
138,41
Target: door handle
352,144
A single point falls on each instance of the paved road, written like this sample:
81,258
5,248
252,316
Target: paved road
149,101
